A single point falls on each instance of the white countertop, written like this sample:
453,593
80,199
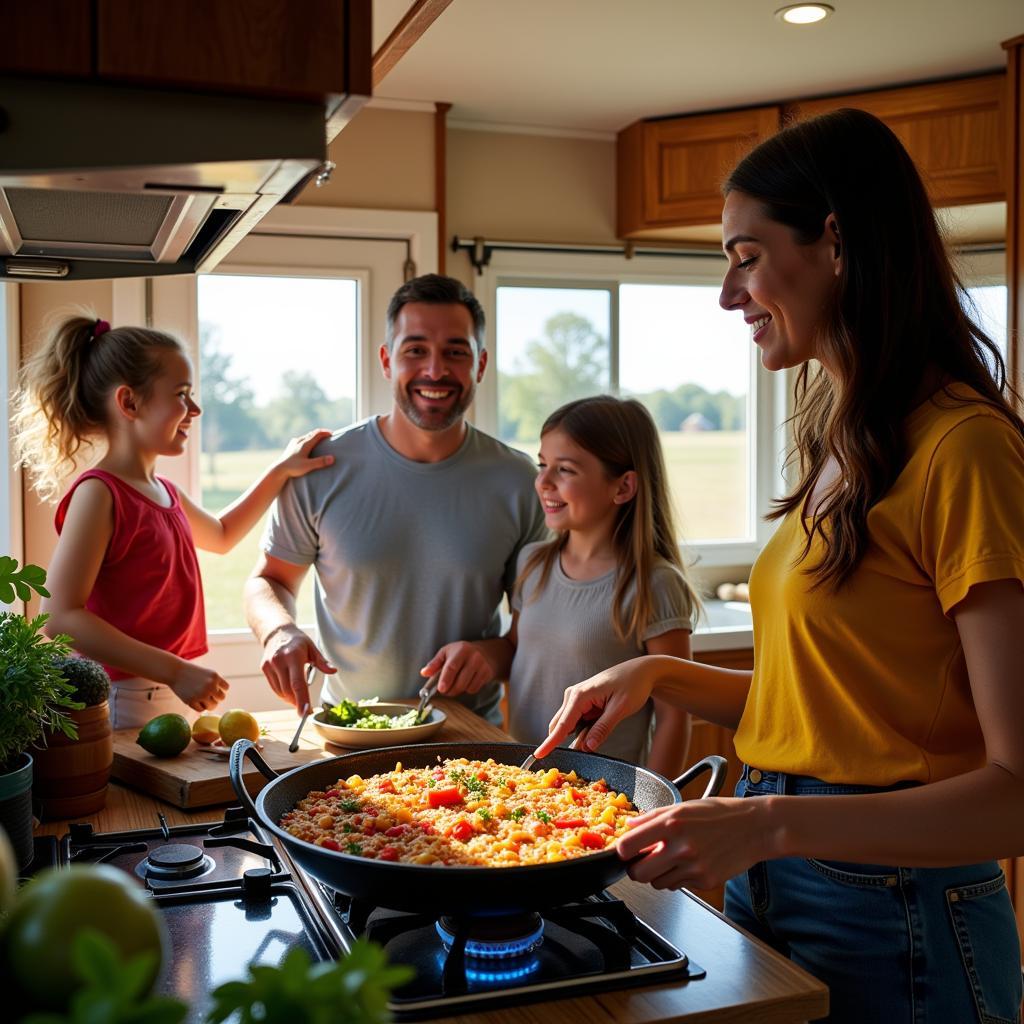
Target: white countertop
725,626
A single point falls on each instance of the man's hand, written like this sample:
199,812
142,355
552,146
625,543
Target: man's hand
463,666
286,654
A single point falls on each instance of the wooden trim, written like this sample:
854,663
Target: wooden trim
1015,208
441,181
416,21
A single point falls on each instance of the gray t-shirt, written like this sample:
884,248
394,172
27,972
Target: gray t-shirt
409,555
565,635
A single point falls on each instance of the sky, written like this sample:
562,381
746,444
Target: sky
669,334
272,324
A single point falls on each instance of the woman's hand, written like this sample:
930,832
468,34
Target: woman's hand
296,460
608,697
698,843
200,688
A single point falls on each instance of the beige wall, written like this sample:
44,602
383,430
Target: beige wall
385,161
528,188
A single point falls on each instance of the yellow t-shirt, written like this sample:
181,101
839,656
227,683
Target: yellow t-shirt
869,684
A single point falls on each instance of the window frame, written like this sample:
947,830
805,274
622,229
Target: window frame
583,270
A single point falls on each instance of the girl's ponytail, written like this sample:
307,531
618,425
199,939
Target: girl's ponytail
61,402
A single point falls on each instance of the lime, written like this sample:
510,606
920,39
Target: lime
165,735
238,725
48,913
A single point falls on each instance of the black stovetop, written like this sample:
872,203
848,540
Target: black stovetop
241,901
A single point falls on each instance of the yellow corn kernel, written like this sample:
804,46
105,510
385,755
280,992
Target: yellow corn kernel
354,781
472,805
403,814
620,800
571,841
521,837
424,858
500,810
608,815
325,822
506,844
554,855
398,766
382,822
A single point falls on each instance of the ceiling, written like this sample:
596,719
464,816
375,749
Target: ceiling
595,66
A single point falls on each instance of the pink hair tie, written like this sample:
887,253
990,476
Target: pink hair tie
98,328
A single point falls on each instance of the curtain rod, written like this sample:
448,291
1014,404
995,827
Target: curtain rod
480,250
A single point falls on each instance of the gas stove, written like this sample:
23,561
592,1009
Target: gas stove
231,897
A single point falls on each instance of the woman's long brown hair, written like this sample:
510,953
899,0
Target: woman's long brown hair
895,323
622,435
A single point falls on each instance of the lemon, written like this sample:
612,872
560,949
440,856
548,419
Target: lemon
165,735
238,725
205,729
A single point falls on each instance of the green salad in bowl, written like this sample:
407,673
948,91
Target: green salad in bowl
361,715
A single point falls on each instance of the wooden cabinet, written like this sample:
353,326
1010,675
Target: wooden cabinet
301,49
955,131
670,172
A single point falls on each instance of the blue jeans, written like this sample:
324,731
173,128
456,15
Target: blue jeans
894,945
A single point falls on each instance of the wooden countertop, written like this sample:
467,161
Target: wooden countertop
746,982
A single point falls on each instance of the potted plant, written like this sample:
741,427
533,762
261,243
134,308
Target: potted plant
70,776
34,696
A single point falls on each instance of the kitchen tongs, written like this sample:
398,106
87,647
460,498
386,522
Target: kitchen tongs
574,738
427,692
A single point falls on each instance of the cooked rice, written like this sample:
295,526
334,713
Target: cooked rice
463,812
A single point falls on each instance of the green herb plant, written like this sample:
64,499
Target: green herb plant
34,694
114,991
353,990
89,679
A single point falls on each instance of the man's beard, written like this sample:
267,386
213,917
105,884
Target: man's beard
426,420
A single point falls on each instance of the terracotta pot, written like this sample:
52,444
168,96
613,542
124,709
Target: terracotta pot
16,809
71,776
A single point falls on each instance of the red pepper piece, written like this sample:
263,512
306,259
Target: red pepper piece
600,786
559,782
330,844
569,823
577,798
333,792
444,797
462,830
396,830
387,786
591,841
387,853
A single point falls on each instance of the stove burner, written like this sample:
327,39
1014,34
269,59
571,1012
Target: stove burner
174,860
493,938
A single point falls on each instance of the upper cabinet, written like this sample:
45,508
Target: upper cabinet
670,170
293,49
955,132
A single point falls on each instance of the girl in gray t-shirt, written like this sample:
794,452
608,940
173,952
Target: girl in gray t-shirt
611,586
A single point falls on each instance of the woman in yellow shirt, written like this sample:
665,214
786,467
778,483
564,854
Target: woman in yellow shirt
888,689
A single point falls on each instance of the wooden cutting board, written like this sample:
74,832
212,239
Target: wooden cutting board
198,779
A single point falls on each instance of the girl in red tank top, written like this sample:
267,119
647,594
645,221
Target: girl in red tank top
124,580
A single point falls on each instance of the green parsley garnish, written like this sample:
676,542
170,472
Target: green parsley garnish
544,816
346,827
519,813
354,848
485,815
475,785
350,805
457,775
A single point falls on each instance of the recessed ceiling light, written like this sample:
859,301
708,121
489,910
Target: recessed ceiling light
804,14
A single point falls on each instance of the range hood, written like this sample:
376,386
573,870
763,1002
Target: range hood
103,181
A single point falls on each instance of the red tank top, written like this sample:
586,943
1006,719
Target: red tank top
149,585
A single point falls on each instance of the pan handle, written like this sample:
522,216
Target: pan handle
240,750
718,766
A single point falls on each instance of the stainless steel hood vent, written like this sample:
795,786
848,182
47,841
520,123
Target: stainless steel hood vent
117,182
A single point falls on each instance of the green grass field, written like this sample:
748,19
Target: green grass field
707,472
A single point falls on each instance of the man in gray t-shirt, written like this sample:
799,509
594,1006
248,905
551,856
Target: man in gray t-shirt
414,531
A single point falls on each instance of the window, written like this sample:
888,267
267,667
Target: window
277,357
661,338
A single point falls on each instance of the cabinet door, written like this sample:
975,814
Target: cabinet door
670,172
269,47
46,37
954,131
